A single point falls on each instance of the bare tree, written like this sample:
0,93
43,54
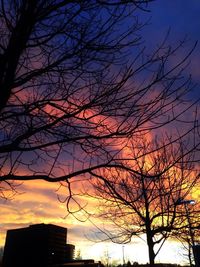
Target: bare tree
75,82
189,233
145,198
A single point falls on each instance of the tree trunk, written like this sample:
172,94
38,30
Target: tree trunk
149,233
150,249
16,45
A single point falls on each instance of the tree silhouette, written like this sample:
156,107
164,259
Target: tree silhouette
75,82
188,234
145,199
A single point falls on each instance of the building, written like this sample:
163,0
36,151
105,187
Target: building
69,252
196,251
40,245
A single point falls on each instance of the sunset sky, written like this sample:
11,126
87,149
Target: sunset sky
37,202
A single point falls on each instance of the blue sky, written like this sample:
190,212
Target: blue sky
181,15
182,19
